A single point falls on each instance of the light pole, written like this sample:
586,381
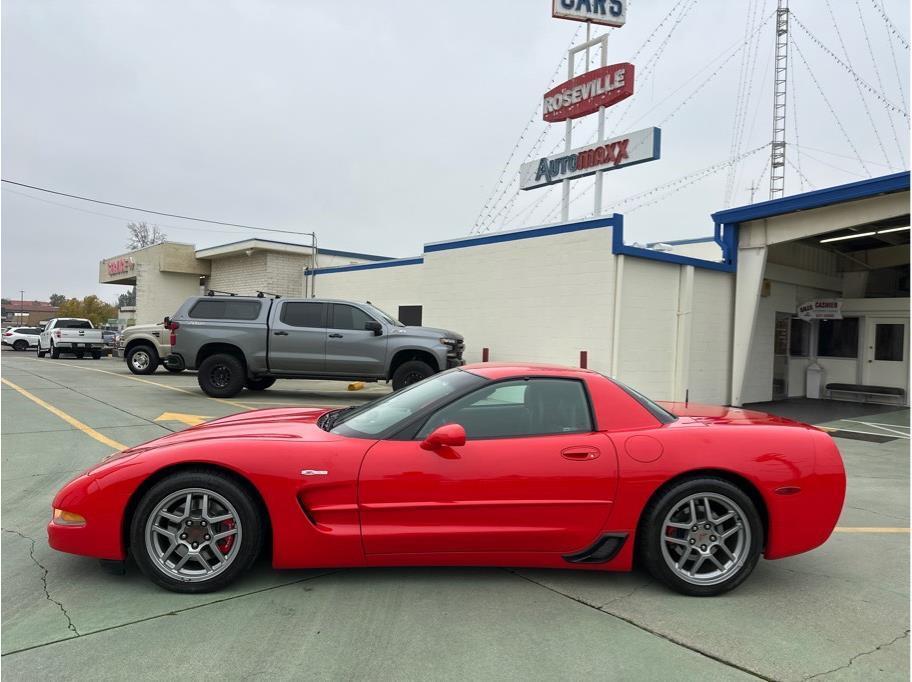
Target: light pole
21,304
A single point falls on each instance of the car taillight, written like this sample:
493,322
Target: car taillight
57,333
7,333
173,326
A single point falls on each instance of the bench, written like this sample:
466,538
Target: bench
868,391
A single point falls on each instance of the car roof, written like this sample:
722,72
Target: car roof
502,370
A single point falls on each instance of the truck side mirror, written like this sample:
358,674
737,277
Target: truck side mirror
374,326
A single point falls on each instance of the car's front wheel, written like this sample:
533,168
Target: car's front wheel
195,531
701,537
41,353
411,372
142,359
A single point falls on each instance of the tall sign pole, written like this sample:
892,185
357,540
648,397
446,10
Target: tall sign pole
780,70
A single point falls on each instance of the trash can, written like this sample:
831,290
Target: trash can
814,381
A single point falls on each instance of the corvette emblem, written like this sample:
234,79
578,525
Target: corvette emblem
313,472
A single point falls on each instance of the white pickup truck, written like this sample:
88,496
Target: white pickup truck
70,335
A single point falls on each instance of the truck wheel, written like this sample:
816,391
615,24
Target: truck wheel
410,372
221,376
260,384
142,359
41,353
55,352
96,355
174,370
20,345
80,354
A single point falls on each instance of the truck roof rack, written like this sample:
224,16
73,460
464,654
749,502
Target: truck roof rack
261,294
213,292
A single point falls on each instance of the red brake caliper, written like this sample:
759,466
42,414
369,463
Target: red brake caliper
226,544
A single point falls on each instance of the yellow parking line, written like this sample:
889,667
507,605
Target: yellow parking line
72,421
155,383
846,529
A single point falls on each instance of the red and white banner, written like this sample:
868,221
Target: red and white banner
584,94
618,152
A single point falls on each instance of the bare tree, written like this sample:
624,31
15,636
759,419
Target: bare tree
143,234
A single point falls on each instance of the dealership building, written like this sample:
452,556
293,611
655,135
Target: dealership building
806,295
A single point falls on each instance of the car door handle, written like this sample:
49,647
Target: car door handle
280,333
335,336
580,454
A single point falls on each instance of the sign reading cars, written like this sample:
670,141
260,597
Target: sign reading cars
606,12
636,147
584,94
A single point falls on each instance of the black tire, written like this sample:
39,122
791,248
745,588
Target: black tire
55,352
222,376
411,372
142,359
41,353
249,520
174,370
259,384
80,354
20,345
96,355
652,532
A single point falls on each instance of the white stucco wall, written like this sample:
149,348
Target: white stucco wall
160,293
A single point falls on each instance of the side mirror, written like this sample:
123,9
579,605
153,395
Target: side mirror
166,321
374,326
450,435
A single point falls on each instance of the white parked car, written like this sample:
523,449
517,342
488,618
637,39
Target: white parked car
70,335
20,338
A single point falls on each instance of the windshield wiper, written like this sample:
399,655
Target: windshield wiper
329,420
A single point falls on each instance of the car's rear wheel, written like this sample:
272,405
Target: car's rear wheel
80,354
702,536
55,352
411,372
142,359
221,376
20,345
96,355
195,531
260,384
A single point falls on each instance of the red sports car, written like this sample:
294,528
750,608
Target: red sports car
495,465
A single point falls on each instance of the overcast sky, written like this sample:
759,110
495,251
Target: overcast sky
385,125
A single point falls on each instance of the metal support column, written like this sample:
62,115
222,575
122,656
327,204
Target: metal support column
780,67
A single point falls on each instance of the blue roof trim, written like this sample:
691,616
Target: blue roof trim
368,266
896,182
529,233
328,252
618,248
676,242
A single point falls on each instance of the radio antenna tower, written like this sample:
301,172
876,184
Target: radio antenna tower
780,67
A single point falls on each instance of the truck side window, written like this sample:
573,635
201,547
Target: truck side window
303,314
349,317
220,309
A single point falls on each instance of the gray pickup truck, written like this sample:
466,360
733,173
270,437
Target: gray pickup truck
236,342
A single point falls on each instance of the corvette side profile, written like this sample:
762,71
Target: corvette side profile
483,465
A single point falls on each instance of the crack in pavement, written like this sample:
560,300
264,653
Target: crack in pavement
859,655
871,511
655,633
173,612
625,596
44,577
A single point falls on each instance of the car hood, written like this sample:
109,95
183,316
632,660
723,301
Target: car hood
142,329
720,414
429,332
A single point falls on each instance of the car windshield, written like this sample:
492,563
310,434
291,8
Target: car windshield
384,415
388,318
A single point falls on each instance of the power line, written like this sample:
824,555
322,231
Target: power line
890,27
148,210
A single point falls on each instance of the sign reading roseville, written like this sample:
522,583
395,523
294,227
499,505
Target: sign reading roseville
627,150
821,309
607,12
584,94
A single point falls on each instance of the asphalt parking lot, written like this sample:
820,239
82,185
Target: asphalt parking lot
839,612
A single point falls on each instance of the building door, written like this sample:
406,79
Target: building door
886,353
781,356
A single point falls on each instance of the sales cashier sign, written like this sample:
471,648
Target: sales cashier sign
606,12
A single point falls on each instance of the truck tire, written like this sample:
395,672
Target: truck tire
174,370
259,384
410,372
221,375
96,355
80,354
142,359
41,353
55,352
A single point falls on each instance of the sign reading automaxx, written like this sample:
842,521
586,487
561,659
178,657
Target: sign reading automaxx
607,12
584,94
618,152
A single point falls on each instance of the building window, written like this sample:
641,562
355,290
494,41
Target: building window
410,315
888,342
838,338
800,338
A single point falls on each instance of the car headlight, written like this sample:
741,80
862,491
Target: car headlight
449,342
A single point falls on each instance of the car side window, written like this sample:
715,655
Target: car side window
514,409
348,317
300,314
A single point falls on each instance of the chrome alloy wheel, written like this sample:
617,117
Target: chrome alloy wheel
193,535
141,360
705,538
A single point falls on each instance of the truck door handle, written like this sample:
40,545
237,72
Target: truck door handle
580,454
280,333
335,336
